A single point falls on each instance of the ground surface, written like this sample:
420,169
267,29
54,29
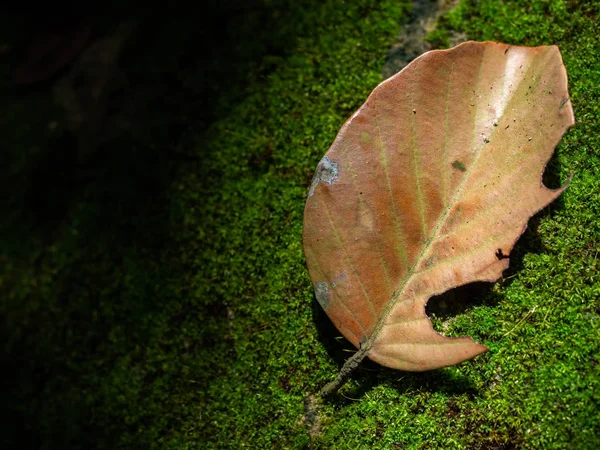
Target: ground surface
154,292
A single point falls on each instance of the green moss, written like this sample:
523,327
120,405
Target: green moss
438,38
169,305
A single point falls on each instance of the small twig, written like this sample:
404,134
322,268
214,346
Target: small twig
350,398
508,278
351,364
521,321
312,403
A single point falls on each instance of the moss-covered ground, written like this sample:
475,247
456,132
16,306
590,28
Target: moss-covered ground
155,295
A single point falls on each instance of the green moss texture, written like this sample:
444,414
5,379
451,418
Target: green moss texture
156,295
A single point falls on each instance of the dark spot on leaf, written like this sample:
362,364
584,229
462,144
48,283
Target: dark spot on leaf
458,165
563,103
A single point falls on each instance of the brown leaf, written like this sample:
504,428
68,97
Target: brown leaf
427,187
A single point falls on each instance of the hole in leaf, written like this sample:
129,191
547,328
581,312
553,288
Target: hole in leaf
442,308
500,255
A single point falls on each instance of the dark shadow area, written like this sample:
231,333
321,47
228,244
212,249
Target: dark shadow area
51,183
370,374
458,300
337,346
101,189
440,380
184,66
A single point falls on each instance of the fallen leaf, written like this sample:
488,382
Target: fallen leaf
427,187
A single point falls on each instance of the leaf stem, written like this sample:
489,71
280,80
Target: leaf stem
348,367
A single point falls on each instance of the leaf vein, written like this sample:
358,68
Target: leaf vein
346,307
349,261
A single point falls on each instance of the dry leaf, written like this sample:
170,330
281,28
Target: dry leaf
427,187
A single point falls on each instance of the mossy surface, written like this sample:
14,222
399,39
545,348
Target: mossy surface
159,298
